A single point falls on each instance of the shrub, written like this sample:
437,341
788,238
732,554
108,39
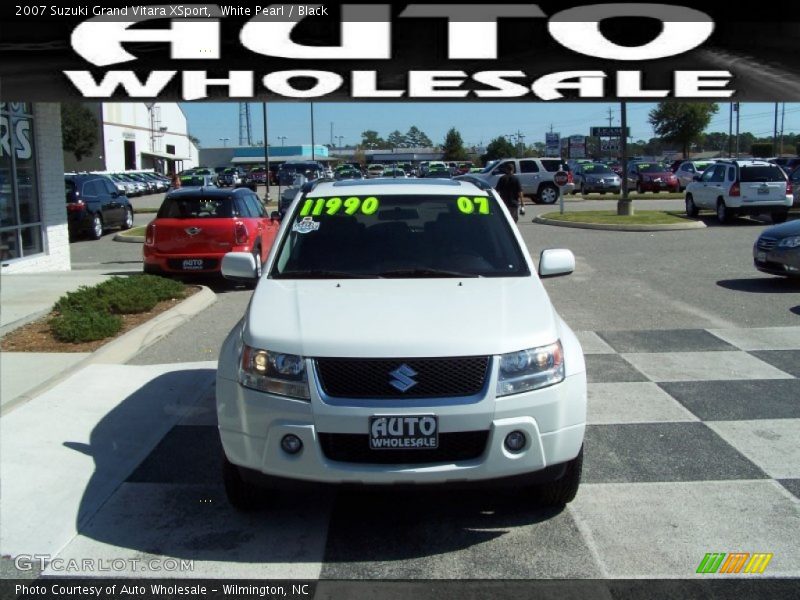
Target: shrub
84,326
91,313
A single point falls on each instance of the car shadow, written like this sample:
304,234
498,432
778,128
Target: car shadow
157,489
762,285
795,309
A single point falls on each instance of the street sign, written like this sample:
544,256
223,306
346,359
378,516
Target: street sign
552,144
609,131
609,145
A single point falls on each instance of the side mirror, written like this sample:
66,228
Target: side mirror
275,215
555,262
239,266
696,178
115,194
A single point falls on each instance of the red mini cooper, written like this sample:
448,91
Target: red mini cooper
195,227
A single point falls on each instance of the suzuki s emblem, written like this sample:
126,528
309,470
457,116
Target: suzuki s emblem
193,230
403,378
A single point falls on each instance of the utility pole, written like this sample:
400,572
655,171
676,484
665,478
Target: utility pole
783,114
312,131
775,131
730,129
331,133
738,111
624,206
610,116
266,148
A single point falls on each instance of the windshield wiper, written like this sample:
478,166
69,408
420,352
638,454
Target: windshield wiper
424,273
322,274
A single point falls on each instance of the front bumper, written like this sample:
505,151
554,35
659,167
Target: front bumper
252,424
778,261
659,186
594,187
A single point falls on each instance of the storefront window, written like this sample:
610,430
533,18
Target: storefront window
20,213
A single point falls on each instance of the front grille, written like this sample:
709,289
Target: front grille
354,448
371,378
766,244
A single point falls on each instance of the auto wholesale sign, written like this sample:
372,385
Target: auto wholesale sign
508,51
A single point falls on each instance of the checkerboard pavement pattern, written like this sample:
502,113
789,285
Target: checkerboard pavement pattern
691,447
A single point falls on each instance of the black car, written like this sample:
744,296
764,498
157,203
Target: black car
94,204
777,250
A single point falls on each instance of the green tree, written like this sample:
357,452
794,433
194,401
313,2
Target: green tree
417,138
79,129
498,148
397,140
454,146
194,139
370,139
682,122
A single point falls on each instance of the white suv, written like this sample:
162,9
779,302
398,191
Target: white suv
535,175
401,335
738,187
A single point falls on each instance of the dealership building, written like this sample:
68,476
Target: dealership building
33,218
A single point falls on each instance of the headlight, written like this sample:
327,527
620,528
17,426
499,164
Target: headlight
790,242
274,372
530,369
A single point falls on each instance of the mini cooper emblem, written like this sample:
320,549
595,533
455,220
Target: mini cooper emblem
403,378
193,230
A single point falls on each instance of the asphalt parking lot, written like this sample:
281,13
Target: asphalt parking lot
691,447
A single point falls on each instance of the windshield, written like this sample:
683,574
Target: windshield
651,168
195,208
399,236
596,170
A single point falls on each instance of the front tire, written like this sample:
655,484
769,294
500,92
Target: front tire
242,495
548,194
639,188
562,491
691,207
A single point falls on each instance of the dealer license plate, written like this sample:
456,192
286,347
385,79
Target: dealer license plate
407,432
193,264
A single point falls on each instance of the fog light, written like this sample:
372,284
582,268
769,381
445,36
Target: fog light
291,444
515,441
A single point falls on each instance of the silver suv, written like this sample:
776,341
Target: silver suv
741,187
535,175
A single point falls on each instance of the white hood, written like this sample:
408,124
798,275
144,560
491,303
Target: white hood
400,317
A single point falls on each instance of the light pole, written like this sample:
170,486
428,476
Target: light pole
282,138
340,138
224,141
266,148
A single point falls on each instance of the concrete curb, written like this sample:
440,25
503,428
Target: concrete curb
132,239
126,346
610,227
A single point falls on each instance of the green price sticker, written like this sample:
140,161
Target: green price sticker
479,204
331,206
